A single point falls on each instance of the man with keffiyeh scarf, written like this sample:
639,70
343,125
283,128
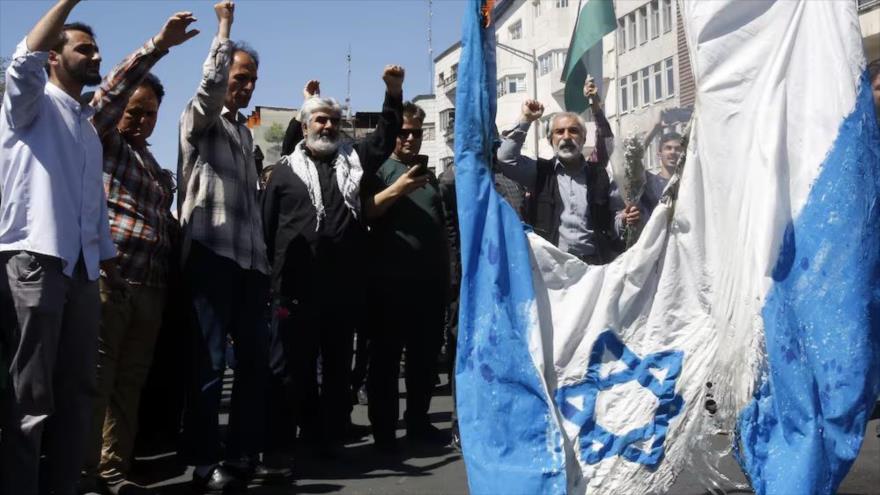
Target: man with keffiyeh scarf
316,241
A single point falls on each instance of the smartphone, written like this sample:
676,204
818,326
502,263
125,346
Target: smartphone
422,160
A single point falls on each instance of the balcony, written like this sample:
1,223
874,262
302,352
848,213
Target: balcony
448,84
449,133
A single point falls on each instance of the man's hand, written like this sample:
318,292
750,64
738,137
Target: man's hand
393,76
312,88
532,110
111,276
632,215
411,180
591,93
175,31
225,14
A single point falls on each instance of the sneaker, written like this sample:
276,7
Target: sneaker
218,481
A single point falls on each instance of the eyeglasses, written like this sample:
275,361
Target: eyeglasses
404,133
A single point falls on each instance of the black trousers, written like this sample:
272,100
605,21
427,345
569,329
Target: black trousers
410,316
312,353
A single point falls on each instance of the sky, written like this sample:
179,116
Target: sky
297,40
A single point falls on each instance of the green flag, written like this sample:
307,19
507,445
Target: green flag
596,19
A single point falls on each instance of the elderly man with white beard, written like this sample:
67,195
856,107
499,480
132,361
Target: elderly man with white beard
316,242
569,195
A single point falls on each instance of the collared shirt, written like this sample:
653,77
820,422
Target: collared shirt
576,233
53,199
217,176
139,192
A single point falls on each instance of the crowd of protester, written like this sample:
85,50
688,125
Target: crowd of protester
270,270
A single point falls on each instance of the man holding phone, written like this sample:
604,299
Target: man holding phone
411,277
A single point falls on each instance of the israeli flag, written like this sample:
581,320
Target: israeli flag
754,292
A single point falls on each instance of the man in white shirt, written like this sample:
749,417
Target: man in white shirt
54,233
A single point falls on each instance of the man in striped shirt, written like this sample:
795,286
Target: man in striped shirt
225,263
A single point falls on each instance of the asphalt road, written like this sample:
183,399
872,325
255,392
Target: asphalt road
360,470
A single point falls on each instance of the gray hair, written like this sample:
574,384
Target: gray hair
315,104
577,117
243,46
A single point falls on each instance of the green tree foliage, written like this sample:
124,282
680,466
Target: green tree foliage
275,133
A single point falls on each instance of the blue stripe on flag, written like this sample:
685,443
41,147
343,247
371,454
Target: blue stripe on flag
510,437
822,325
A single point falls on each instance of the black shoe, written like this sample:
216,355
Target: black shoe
218,481
387,446
271,475
262,473
427,433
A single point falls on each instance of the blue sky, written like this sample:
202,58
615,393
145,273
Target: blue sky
298,40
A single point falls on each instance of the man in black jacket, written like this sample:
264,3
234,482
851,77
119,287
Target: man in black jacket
316,245
569,196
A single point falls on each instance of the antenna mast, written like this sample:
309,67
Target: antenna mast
430,48
348,85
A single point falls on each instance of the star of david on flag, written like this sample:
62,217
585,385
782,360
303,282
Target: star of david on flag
655,373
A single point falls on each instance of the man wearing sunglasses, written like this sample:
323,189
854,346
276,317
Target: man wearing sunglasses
409,284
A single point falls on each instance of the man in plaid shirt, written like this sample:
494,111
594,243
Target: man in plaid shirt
139,195
225,264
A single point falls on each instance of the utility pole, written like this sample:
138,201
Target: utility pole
531,58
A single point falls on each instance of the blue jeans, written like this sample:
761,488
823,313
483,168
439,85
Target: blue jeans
229,301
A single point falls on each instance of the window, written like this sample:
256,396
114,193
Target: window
655,19
515,30
440,79
634,89
670,77
643,25
631,31
511,84
646,85
621,35
561,4
550,61
516,84
428,133
667,15
658,82
545,63
447,119
624,101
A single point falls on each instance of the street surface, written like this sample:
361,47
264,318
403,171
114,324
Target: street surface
441,471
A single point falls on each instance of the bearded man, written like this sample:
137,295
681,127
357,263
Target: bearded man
316,244
569,200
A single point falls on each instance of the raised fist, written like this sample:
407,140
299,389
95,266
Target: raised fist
224,10
312,88
532,110
393,76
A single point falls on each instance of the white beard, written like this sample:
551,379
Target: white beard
322,145
566,153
